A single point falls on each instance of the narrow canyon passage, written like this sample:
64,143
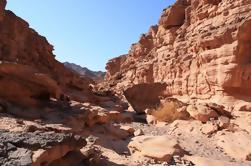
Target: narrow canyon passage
180,96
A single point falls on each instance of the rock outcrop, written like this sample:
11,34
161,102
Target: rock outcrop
36,148
200,49
42,102
28,66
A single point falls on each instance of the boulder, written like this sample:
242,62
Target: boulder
157,147
223,122
36,148
173,16
201,112
138,132
26,91
149,96
220,109
209,128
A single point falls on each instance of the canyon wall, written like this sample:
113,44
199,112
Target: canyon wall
28,69
201,49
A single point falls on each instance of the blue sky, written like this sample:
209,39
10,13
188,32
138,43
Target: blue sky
90,32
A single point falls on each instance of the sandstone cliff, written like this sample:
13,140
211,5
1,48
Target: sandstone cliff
200,49
28,68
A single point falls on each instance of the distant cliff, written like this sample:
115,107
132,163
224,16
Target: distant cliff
97,76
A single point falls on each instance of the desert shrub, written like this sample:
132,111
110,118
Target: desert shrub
168,112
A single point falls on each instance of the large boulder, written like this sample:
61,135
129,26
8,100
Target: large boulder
157,147
201,112
36,148
145,96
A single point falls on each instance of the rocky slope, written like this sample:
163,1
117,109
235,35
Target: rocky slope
200,49
97,76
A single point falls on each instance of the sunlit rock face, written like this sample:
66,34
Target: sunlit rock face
200,48
28,69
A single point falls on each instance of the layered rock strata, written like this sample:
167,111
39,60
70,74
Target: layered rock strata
29,68
200,49
36,148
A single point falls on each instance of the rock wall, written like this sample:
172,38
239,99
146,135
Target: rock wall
28,68
200,48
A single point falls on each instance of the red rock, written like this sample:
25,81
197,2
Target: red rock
200,49
16,87
144,96
28,65
174,15
201,112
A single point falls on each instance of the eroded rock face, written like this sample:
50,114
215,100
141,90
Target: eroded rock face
20,148
28,64
200,49
26,85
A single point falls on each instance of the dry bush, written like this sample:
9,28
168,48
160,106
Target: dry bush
168,112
